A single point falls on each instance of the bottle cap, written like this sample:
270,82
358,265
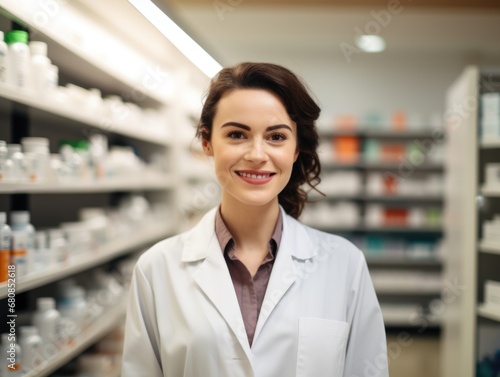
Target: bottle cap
16,36
45,303
20,217
38,48
1,35
3,217
38,141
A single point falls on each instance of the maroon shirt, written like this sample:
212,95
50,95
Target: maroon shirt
250,291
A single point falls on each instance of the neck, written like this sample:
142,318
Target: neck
250,225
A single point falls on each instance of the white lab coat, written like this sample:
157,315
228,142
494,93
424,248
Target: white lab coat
319,318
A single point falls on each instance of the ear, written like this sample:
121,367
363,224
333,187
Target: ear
207,147
296,155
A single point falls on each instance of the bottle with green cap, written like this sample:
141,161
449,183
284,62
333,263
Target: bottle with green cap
18,62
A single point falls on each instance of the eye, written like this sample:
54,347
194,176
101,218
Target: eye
235,135
277,137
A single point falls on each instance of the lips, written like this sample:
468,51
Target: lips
255,176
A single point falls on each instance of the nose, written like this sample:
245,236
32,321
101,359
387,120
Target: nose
256,152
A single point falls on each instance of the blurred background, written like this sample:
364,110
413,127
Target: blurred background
98,160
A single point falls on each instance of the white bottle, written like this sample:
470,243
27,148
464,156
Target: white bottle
23,242
31,344
42,255
3,160
4,50
10,362
47,320
40,67
73,308
39,146
18,62
57,246
14,166
5,243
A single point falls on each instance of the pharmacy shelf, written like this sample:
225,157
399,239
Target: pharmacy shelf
490,143
399,261
489,247
121,246
491,190
149,182
378,198
486,311
406,289
407,317
381,134
113,318
52,109
381,166
66,50
362,228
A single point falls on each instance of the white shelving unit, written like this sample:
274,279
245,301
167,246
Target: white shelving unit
110,320
405,294
73,33
471,202
81,263
489,312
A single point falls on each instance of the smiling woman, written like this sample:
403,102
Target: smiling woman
250,291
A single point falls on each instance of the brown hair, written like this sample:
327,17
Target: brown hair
301,108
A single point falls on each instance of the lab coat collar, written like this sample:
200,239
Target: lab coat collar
299,243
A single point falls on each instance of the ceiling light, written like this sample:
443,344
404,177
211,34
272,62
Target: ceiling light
179,38
371,43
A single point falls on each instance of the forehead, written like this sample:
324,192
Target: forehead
251,105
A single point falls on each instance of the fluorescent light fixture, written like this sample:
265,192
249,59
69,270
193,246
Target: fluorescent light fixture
371,43
179,38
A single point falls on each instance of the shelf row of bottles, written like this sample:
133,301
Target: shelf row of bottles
345,215
79,161
34,252
378,184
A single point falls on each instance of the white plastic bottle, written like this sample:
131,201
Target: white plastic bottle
3,160
40,68
23,242
47,320
5,243
31,344
18,61
10,362
14,166
42,255
73,307
4,50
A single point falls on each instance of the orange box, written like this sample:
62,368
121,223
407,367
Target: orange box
346,148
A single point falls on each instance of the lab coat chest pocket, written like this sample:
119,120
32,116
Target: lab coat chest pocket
321,347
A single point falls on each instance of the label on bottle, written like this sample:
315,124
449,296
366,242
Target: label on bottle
19,251
4,255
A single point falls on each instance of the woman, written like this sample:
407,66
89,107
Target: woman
250,291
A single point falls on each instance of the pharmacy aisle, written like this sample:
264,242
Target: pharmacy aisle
86,175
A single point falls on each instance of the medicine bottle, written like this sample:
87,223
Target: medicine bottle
5,242
31,344
47,320
3,59
18,60
40,68
23,242
10,362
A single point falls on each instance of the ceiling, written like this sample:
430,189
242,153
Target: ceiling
238,30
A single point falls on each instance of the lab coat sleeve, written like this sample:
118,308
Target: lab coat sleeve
366,348
141,354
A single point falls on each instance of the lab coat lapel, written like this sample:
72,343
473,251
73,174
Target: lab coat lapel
295,244
213,278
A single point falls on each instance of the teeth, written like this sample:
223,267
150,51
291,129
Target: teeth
254,176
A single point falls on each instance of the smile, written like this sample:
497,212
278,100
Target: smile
255,177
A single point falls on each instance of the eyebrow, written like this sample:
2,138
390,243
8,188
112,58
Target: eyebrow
247,128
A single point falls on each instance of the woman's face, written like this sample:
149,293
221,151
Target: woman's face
254,146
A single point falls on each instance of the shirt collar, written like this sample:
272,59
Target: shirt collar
224,236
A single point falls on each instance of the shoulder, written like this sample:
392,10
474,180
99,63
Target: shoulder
325,246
